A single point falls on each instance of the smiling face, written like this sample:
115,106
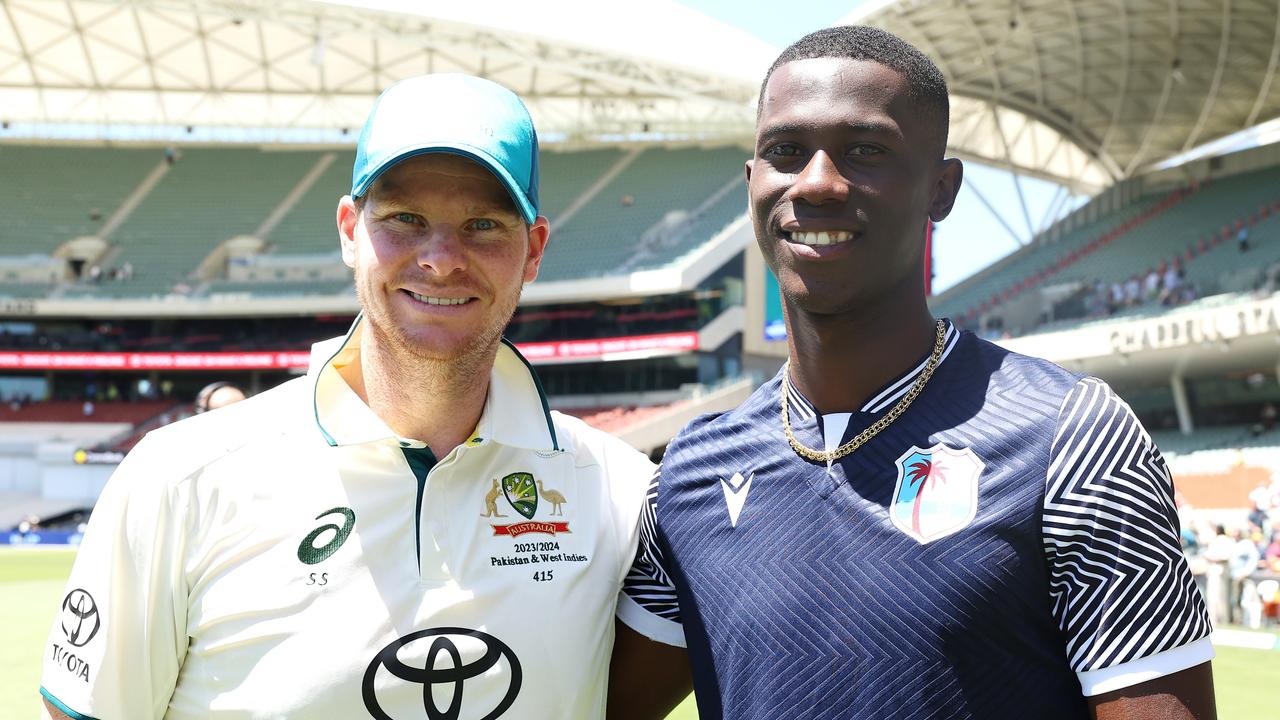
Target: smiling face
847,171
440,255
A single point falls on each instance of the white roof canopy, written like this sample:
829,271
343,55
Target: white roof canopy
1094,91
589,73
1079,92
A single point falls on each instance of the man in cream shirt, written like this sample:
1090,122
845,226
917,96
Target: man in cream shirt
407,531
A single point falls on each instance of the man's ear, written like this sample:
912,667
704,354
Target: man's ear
539,233
946,189
348,217
748,169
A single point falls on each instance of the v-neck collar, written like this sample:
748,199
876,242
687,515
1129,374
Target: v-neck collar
800,409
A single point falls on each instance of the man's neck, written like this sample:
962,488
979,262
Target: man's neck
436,402
839,361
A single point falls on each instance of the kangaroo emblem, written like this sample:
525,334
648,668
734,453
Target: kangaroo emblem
491,501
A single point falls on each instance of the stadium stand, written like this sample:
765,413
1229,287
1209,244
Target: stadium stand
64,411
1193,227
616,419
612,212
1039,261
208,196
66,192
309,226
662,183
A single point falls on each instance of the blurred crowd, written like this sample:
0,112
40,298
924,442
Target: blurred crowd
1166,284
1238,565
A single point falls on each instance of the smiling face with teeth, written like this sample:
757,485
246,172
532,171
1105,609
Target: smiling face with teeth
440,255
847,171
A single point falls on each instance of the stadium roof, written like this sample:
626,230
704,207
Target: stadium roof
1079,92
650,69
1094,90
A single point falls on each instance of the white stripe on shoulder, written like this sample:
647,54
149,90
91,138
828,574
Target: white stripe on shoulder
894,392
798,406
1119,585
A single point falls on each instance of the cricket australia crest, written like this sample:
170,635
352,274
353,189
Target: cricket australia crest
521,492
936,493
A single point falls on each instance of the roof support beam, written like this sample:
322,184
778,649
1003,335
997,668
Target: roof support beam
1224,49
994,213
1265,89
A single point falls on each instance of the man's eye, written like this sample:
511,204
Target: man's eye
408,218
782,150
865,150
484,224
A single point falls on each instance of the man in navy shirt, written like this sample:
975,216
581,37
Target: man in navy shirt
907,522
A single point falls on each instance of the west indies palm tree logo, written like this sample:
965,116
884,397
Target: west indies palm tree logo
937,492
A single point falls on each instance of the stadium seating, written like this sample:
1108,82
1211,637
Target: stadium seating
1196,227
664,203
1032,264
208,196
615,419
1213,211
52,194
281,289
310,227
62,411
1172,442
606,234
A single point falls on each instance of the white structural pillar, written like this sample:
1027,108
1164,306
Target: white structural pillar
1180,404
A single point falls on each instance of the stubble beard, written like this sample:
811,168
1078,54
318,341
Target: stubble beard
428,367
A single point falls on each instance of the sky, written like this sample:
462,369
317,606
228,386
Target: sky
971,238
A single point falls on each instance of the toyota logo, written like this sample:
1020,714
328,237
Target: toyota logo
442,664
79,617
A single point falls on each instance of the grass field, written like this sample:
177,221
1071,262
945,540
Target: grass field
31,584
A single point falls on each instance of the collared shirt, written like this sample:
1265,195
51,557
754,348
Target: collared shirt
291,556
1004,548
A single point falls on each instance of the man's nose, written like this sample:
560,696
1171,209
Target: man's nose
443,251
820,181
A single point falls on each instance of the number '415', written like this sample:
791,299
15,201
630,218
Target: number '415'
543,575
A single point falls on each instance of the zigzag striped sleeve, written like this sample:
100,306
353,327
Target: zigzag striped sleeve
1120,586
648,583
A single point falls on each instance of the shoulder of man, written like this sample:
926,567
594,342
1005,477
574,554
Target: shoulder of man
1045,374
591,446
190,444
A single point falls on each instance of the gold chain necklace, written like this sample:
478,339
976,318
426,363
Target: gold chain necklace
862,437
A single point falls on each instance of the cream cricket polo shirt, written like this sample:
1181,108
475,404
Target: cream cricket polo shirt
289,556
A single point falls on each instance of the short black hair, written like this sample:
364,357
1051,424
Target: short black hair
860,42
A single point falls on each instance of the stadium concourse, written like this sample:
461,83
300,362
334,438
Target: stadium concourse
169,221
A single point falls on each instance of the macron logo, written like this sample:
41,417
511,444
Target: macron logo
735,495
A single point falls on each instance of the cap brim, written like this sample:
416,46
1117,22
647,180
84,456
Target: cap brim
470,152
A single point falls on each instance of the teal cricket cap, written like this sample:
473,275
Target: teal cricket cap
452,113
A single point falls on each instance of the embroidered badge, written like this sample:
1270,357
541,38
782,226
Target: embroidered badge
522,492
936,493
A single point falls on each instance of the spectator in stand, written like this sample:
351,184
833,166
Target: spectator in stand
1132,291
1240,565
1117,298
1271,554
1260,498
1242,239
1188,293
1172,283
1151,286
1101,300
216,395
